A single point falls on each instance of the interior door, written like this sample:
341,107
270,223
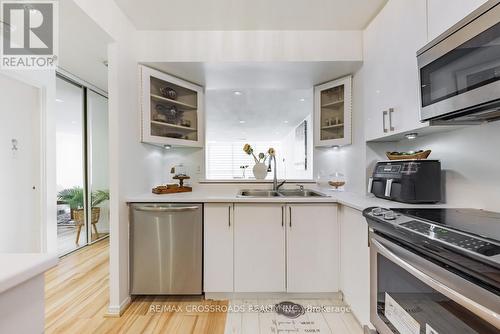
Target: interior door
70,166
312,248
19,167
259,248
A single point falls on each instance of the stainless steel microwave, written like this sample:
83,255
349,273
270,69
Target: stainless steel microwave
460,70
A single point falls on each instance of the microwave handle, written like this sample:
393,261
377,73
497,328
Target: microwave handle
370,184
478,309
388,187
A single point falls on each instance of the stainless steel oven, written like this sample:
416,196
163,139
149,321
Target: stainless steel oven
460,70
411,294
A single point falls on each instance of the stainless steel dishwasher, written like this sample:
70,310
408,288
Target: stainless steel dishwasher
165,249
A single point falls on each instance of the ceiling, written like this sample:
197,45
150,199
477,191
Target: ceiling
262,75
82,45
250,15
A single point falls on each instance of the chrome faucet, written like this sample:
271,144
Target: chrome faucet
276,186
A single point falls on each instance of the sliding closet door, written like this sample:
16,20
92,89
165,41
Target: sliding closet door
70,170
98,164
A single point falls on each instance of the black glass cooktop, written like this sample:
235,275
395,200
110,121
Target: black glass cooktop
479,222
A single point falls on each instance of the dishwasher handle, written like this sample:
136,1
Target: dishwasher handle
147,208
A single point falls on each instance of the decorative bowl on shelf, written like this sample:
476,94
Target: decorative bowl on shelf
168,92
171,113
418,155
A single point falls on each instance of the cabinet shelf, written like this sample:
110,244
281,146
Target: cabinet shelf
336,126
157,129
174,126
174,102
332,104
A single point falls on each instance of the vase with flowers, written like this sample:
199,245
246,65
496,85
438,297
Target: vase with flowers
259,169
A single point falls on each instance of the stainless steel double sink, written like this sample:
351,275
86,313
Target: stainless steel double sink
280,193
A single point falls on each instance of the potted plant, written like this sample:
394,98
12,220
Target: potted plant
74,198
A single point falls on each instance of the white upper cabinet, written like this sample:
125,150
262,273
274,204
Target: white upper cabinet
312,248
218,247
442,14
171,110
259,247
390,74
332,113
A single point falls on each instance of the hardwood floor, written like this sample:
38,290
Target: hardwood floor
76,301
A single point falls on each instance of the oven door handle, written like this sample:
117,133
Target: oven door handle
489,315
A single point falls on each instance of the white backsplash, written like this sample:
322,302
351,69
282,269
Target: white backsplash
470,159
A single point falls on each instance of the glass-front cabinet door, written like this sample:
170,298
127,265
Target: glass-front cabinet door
172,110
332,113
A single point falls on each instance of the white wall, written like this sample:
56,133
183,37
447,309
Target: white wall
471,162
20,169
229,46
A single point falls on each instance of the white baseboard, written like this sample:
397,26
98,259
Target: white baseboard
271,295
117,310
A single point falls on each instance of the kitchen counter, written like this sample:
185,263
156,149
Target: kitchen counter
18,268
214,194
22,292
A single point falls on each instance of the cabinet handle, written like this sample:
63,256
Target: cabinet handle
391,110
282,216
229,215
290,211
384,113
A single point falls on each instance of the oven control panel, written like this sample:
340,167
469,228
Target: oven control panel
453,238
470,243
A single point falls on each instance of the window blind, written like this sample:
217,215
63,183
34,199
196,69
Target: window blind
224,159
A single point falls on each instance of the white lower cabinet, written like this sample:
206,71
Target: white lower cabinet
259,247
271,248
218,247
355,262
312,248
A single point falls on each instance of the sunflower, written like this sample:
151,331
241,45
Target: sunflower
248,149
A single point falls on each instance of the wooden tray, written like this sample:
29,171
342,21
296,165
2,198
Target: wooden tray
164,190
416,156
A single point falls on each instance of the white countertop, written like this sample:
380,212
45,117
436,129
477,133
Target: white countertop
208,194
18,268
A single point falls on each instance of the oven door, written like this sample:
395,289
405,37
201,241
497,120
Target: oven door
411,295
